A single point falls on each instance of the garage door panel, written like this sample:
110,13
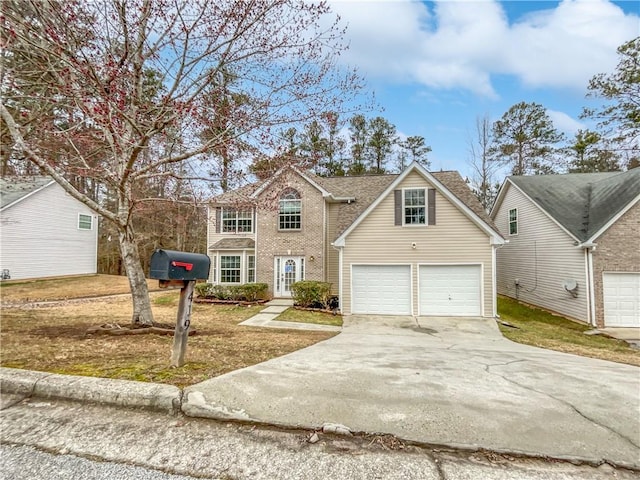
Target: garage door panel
450,290
621,299
381,289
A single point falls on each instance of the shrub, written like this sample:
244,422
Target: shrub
249,292
203,289
254,291
309,293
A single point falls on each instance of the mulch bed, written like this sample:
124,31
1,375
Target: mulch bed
115,329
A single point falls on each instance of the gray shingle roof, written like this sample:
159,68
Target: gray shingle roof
13,189
233,244
365,189
582,202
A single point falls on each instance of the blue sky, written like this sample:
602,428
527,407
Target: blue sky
436,66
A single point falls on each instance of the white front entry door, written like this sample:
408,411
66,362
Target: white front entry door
287,270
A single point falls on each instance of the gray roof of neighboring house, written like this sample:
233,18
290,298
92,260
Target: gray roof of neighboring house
13,189
582,203
365,189
233,244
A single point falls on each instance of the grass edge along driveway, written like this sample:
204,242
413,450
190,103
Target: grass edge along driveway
540,328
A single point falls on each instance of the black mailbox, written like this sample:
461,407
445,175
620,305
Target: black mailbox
173,265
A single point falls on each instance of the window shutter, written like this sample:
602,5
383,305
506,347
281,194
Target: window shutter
218,219
254,225
397,194
431,204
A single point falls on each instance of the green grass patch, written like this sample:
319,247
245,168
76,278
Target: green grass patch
305,316
543,329
168,299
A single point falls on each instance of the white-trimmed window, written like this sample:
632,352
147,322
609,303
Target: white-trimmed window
290,217
237,221
415,206
85,222
251,269
513,221
230,269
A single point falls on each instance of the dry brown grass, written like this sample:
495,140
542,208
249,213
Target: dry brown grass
52,339
62,288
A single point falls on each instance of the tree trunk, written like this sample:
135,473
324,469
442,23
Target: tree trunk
142,314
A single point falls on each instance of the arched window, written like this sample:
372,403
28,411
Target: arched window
290,210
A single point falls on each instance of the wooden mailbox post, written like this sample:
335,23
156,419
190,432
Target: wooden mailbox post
180,269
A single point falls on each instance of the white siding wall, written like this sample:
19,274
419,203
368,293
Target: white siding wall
541,256
454,239
40,237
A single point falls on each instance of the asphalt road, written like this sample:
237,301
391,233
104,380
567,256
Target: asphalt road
19,462
62,440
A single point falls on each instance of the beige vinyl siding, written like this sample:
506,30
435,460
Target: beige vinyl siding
541,256
455,239
40,236
332,255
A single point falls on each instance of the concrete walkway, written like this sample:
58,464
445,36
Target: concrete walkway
631,335
447,381
267,318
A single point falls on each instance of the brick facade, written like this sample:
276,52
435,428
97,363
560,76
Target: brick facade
308,242
617,251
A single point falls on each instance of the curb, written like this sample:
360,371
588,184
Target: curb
106,391
17,385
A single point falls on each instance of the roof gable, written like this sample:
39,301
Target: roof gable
582,203
456,187
16,189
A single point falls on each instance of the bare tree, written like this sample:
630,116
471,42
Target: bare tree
126,74
483,168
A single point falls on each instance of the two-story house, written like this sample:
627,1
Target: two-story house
44,232
418,243
573,244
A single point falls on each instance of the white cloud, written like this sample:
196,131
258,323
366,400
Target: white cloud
565,123
461,44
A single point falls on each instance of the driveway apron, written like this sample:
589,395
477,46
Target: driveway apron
443,381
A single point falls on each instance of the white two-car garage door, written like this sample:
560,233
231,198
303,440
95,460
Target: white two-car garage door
450,290
381,289
621,293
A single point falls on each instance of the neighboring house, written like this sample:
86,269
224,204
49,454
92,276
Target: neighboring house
417,243
44,231
573,244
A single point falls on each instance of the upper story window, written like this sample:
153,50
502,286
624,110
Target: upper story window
513,221
415,206
290,217
237,221
85,222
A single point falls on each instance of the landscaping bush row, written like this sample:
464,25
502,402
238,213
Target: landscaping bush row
312,294
249,292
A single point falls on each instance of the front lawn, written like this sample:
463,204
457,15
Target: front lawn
52,338
306,316
542,329
61,288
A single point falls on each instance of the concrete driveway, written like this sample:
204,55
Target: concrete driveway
444,381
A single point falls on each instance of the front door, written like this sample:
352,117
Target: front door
287,271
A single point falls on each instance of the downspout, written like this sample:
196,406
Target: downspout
340,281
494,281
494,274
590,284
